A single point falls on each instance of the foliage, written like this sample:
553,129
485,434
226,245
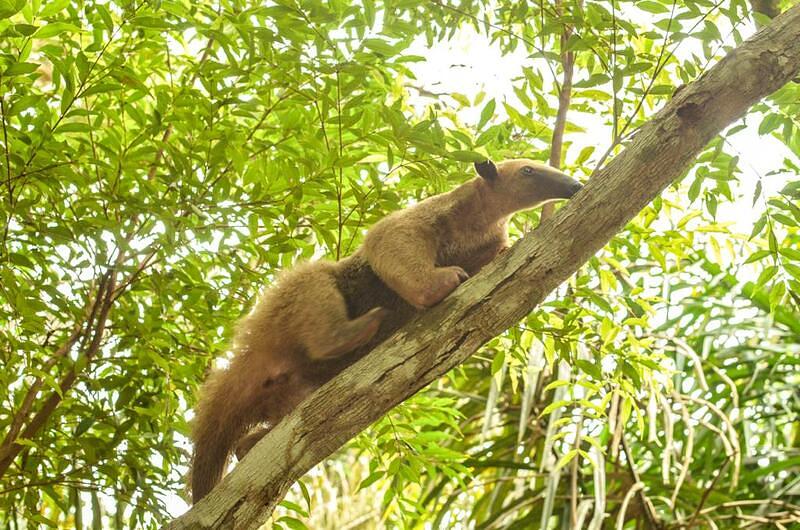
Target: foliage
162,160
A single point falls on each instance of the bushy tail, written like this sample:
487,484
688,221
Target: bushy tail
218,425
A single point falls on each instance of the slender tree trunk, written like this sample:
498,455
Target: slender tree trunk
507,289
564,97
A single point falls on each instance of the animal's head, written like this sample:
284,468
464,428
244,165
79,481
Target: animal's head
520,184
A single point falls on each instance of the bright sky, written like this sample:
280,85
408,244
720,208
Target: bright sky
468,64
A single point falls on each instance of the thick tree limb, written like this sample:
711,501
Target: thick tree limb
510,287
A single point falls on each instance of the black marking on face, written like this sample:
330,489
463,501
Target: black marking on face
551,182
560,185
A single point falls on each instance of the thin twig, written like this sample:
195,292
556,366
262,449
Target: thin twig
340,184
688,448
647,507
708,491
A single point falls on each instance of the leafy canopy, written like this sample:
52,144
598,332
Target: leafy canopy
163,159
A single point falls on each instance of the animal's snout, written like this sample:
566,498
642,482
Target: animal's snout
574,188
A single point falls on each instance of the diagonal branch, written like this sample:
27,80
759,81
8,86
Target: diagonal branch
507,289
22,414
102,307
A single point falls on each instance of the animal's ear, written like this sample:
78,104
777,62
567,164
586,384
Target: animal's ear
486,169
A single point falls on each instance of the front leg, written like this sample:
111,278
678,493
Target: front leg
404,257
484,255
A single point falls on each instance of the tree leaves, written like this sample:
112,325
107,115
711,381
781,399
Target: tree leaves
10,7
198,149
54,28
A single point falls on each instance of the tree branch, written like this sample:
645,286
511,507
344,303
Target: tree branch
22,414
564,97
104,301
647,506
507,289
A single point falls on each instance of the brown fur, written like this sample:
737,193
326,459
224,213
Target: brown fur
322,316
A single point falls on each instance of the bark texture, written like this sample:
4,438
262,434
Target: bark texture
507,289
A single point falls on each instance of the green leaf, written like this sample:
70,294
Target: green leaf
20,69
758,255
26,29
652,7
498,361
486,113
293,523
553,406
595,80
791,253
584,155
757,192
150,22
766,275
53,7
467,156
784,219
10,7
293,506
759,226
84,425
74,127
769,124
632,373
371,479
21,260
590,368
380,46
55,28
564,460
776,294
793,270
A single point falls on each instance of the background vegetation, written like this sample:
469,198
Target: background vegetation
163,159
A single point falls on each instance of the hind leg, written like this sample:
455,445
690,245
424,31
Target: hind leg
339,336
319,316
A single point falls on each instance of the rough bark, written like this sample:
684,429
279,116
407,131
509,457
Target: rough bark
510,287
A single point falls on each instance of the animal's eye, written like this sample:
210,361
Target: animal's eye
528,171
